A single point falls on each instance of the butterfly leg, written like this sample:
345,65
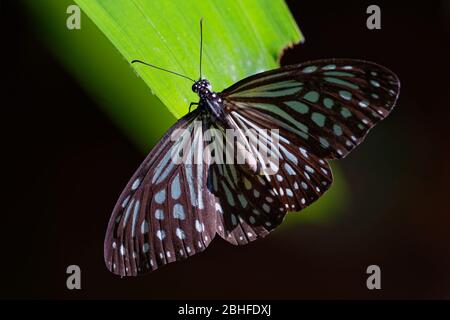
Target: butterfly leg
192,104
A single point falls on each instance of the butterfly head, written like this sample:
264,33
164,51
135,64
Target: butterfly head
202,87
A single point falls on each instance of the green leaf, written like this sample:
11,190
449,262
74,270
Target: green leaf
240,38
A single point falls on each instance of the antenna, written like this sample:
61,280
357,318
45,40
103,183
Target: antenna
159,68
201,45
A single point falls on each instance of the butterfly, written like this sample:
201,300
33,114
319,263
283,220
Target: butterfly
321,110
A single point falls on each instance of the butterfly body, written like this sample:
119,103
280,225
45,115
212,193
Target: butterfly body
210,101
316,111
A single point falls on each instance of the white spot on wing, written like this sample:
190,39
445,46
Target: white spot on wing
144,227
178,212
125,201
309,169
160,234
198,226
159,214
175,189
233,220
289,169
136,184
160,197
304,152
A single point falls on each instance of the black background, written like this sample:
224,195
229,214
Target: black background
61,178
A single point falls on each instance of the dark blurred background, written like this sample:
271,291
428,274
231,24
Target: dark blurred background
65,163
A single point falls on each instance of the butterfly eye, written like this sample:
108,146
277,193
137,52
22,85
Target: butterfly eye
195,87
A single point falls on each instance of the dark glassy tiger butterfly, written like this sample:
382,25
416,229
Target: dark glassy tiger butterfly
321,109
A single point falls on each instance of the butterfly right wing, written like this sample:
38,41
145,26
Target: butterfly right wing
246,206
251,204
326,106
321,109
247,209
161,216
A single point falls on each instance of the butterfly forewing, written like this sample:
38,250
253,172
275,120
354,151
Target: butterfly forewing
325,106
163,215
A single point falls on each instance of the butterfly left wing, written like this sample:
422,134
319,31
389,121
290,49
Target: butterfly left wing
164,213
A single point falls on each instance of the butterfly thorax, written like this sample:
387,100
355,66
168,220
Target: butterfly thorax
209,101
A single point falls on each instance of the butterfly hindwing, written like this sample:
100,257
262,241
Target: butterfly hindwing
251,204
246,208
297,177
238,193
